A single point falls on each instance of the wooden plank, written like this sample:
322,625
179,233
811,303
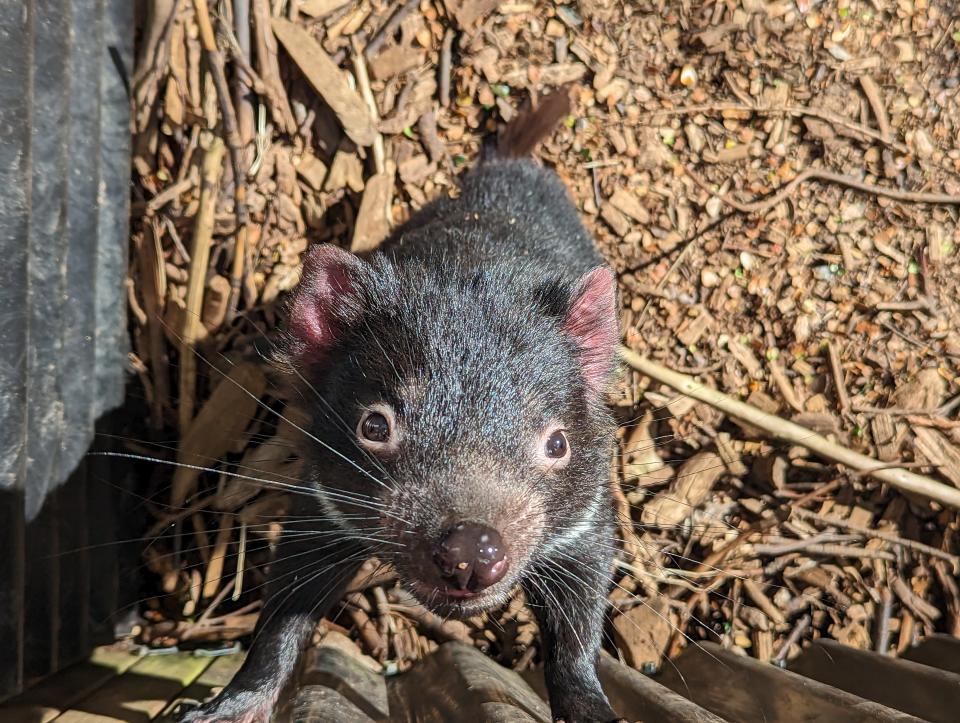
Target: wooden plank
41,594
462,682
109,520
746,691
319,704
73,640
45,701
928,693
141,693
634,695
939,650
336,670
11,591
209,683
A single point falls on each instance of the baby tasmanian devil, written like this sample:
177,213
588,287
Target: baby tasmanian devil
455,381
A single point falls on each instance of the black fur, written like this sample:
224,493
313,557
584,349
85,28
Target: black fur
457,323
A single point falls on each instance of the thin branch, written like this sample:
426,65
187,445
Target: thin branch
823,175
878,534
902,479
234,144
793,110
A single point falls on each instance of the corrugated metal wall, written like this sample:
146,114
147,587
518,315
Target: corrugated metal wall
64,207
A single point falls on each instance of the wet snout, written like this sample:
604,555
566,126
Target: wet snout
470,557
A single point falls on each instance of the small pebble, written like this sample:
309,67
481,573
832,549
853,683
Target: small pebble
905,51
688,76
696,138
839,52
555,28
851,211
922,143
823,273
713,207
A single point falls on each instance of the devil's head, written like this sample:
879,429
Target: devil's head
458,415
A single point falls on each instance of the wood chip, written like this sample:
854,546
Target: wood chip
346,171
562,73
416,169
643,633
320,8
693,328
641,460
688,491
747,358
629,204
395,60
755,592
917,604
214,576
938,450
925,391
373,223
312,170
215,429
823,423
730,455
888,436
215,302
466,12
328,80
615,219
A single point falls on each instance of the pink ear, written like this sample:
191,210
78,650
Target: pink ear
325,295
592,322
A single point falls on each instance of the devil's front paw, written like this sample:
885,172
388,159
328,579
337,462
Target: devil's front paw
243,707
598,713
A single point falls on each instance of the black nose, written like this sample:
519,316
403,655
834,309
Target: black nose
471,556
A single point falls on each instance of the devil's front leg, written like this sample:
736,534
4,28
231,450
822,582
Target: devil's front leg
568,596
313,565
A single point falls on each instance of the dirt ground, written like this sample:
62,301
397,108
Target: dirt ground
777,185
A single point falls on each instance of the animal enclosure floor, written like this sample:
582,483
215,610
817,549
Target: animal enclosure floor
706,684
114,684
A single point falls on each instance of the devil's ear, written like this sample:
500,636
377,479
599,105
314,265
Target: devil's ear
326,300
592,322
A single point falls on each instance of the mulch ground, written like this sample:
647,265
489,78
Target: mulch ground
777,185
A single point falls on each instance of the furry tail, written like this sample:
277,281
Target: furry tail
532,125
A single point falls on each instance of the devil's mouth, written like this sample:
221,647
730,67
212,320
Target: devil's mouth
438,595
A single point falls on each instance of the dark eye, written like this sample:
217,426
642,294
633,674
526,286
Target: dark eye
375,427
556,447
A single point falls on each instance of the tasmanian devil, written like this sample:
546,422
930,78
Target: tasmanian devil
455,382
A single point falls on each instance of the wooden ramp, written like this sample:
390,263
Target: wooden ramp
828,683
116,685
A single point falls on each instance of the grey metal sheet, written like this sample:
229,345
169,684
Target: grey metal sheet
114,202
16,52
78,393
46,239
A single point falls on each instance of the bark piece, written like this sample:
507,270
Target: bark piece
328,80
688,491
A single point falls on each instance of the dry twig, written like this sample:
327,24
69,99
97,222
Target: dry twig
199,261
235,144
902,479
823,175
